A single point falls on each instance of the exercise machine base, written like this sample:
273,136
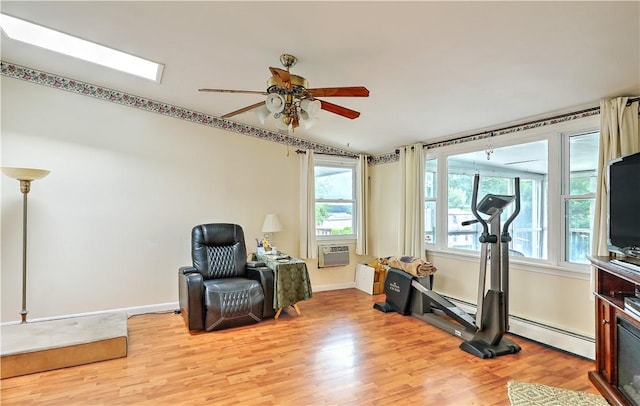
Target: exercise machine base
408,295
483,350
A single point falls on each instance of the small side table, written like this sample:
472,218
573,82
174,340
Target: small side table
291,279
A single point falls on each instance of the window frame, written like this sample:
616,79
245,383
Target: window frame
434,200
566,196
339,162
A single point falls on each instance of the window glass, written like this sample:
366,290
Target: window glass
497,171
579,195
431,179
578,229
583,163
333,183
430,194
335,199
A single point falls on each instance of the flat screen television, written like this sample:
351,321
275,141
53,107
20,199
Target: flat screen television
624,206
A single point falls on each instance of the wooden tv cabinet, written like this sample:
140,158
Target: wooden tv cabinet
613,283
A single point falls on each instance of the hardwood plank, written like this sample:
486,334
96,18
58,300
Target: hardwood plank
339,350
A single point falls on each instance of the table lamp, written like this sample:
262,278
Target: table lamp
25,176
271,225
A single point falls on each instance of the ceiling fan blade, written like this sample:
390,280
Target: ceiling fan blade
242,110
233,91
339,110
352,91
282,77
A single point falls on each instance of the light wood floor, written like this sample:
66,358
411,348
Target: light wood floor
339,351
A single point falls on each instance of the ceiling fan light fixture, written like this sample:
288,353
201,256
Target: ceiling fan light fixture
309,122
311,107
275,103
281,124
262,113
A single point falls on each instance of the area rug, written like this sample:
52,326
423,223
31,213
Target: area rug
534,394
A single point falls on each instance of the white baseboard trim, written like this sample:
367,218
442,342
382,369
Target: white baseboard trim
129,311
334,286
577,344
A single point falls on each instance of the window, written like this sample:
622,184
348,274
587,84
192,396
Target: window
557,167
578,194
498,168
430,200
335,196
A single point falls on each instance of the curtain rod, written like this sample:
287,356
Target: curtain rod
353,156
489,132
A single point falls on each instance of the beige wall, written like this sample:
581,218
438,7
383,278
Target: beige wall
335,277
384,210
109,227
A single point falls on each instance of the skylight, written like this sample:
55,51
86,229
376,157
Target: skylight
37,35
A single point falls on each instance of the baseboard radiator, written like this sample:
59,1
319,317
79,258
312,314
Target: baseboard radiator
564,340
333,255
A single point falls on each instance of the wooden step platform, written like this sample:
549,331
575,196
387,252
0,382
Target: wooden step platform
42,346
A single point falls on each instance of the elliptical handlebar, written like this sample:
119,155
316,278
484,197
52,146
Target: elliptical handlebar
505,228
474,205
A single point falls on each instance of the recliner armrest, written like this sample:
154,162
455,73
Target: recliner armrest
264,275
255,264
190,283
186,269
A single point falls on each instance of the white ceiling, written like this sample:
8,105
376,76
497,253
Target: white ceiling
434,69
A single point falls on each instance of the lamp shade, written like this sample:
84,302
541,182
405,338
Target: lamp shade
275,103
281,125
310,122
25,173
271,224
262,113
312,107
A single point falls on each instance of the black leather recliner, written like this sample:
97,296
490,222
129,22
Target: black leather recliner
221,290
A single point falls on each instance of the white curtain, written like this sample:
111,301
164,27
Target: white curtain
619,136
308,247
412,212
362,189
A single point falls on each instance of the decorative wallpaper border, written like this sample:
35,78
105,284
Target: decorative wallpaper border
15,71
517,128
392,157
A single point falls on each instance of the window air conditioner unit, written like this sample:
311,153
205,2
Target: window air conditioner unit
332,255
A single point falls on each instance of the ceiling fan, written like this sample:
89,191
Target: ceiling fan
290,99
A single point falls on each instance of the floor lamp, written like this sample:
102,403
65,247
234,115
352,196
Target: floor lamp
25,176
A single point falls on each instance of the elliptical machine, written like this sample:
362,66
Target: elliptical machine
484,335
